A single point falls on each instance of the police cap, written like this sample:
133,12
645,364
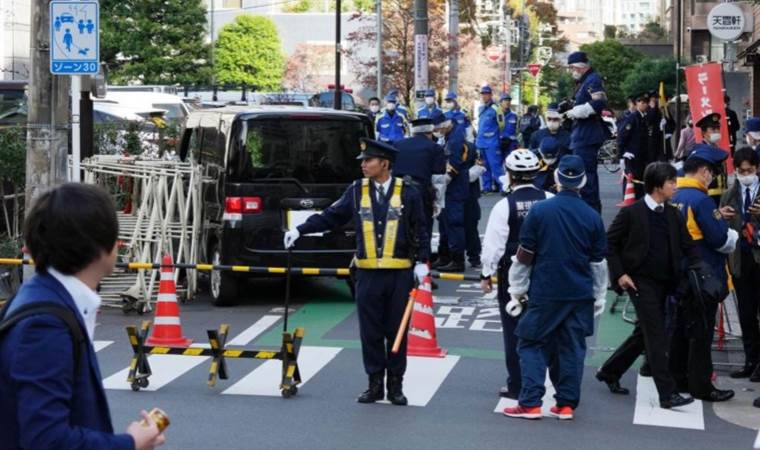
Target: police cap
577,58
376,149
429,93
714,156
753,127
549,147
451,96
486,90
710,120
571,172
505,96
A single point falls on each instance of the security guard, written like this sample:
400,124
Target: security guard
753,134
390,236
457,114
690,351
430,108
633,142
550,153
508,136
391,126
711,135
490,125
559,269
419,159
553,129
500,245
588,129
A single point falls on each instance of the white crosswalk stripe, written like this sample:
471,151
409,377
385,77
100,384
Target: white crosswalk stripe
424,376
100,345
548,401
648,411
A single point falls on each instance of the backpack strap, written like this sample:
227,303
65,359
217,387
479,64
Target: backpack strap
40,308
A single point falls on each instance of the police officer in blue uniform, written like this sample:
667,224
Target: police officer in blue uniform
553,129
588,129
560,270
690,351
430,108
472,209
400,108
753,133
383,262
391,126
508,135
500,245
550,154
419,158
709,125
633,142
455,113
490,125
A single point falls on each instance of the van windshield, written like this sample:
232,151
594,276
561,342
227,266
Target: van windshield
313,150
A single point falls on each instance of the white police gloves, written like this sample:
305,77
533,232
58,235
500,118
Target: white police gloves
515,306
599,305
290,238
580,111
420,272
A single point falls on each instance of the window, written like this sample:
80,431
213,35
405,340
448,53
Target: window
232,4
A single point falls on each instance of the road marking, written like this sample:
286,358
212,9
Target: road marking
424,376
548,400
265,379
167,368
100,345
757,440
648,411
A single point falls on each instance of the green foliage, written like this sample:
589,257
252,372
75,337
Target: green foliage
299,6
614,61
254,143
647,74
13,156
248,51
155,42
364,5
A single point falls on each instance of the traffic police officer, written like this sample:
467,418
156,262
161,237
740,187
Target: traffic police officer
559,268
419,159
553,129
391,126
753,134
550,153
690,351
430,108
711,135
508,135
390,236
588,129
457,192
490,124
633,142
500,245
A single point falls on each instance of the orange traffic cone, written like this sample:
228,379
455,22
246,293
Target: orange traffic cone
629,197
168,329
422,337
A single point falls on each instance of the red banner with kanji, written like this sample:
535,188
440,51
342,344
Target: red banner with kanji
704,85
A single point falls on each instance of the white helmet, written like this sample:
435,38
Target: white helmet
522,161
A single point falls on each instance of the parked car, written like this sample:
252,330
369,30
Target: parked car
267,169
176,109
326,99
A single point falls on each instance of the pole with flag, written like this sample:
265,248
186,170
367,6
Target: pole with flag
665,115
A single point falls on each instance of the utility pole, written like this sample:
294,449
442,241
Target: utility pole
679,41
338,91
211,50
420,49
379,13
453,45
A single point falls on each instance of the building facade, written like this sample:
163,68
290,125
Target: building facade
14,39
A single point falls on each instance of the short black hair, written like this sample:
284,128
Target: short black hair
373,98
746,154
692,165
69,227
656,174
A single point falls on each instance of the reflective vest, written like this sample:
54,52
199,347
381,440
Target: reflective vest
370,258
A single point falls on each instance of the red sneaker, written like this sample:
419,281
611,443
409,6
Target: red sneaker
524,412
562,412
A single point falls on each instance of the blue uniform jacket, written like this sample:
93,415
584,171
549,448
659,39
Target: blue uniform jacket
390,127
566,235
419,158
510,127
347,208
458,117
459,163
427,112
589,131
489,127
562,136
705,224
42,406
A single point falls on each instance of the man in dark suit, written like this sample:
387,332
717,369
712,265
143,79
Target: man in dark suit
647,242
51,391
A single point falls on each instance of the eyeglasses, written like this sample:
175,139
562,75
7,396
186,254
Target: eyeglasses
554,119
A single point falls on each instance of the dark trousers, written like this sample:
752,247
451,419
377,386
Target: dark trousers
381,297
590,192
648,334
691,348
453,217
471,234
508,325
748,294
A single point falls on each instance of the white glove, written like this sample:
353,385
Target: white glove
475,172
290,238
663,123
730,245
622,165
628,155
420,272
515,306
447,178
436,211
599,306
580,111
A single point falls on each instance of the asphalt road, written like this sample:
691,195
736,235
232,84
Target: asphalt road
454,399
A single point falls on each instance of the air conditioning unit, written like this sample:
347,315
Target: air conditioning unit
701,59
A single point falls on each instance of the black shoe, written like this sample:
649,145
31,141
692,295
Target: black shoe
375,391
395,394
756,403
453,266
476,265
645,370
506,393
612,384
755,377
719,395
674,401
440,262
744,372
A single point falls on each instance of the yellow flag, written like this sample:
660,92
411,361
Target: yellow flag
664,100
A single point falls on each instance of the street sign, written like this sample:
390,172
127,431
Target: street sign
544,55
534,69
74,37
493,53
726,21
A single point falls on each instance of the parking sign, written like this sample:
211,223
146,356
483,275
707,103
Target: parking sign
74,37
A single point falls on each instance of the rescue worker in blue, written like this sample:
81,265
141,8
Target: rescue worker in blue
553,129
457,193
550,154
753,134
711,135
690,348
400,108
391,126
588,129
390,237
419,158
490,125
633,142
430,108
455,113
500,244
508,135
559,269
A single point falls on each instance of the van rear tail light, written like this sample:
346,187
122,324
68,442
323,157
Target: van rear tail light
243,205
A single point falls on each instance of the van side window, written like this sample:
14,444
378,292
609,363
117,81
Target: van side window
209,145
194,146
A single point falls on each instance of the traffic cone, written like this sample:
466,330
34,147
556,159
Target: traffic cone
167,330
629,198
422,338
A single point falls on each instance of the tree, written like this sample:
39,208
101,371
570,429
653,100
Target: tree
308,66
648,73
614,61
652,32
155,42
248,51
610,31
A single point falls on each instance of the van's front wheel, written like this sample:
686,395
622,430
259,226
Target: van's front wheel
223,286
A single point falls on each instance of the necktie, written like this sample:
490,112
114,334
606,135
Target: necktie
658,208
747,203
380,194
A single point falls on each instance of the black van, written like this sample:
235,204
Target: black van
266,169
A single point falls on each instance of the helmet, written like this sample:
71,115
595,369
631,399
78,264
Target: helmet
522,161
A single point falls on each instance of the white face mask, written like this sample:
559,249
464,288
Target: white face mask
374,108
714,138
552,125
449,106
747,180
430,101
750,141
390,106
549,161
576,75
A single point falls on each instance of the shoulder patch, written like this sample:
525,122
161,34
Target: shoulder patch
716,214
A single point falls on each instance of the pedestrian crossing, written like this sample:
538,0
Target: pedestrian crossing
648,411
